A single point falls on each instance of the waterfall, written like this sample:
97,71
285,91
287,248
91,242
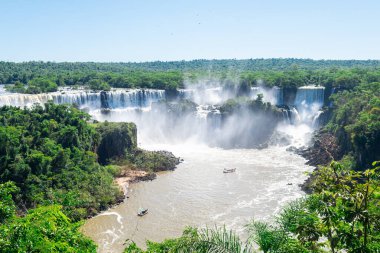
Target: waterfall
286,116
2,90
304,113
116,98
315,123
309,95
308,102
295,117
206,96
185,93
272,95
132,98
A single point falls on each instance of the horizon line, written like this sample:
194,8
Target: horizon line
196,59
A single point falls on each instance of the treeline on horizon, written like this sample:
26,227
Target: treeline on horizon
37,77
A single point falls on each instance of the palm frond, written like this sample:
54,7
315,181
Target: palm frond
217,240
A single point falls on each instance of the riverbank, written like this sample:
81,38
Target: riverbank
132,176
144,167
323,150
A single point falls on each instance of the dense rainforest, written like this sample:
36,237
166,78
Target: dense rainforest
355,123
37,77
49,153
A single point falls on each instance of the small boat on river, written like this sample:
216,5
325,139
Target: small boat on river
142,211
229,170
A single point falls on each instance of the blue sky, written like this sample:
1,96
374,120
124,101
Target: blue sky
146,30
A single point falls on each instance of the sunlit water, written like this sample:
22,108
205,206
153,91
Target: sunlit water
198,194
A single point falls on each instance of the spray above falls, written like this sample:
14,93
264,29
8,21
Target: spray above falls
215,116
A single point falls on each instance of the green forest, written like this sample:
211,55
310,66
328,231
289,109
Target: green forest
37,77
49,153
55,170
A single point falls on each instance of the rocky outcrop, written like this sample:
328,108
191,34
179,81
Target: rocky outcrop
104,104
323,150
117,140
154,161
143,165
175,108
118,144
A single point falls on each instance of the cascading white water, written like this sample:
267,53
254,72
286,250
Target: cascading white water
133,98
304,115
308,102
272,95
116,98
207,96
310,95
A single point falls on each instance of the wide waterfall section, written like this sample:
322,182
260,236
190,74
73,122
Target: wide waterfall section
304,110
116,98
197,193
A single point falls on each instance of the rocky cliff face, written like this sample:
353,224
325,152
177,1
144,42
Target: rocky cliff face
117,139
325,148
118,144
322,152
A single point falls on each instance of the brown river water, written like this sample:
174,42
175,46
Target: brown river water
199,194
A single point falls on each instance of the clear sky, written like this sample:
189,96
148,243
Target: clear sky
146,30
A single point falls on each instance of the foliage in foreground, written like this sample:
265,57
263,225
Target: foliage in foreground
49,153
44,229
194,240
342,215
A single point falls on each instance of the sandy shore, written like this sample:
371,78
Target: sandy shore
132,176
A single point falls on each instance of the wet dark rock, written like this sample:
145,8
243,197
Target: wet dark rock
104,100
291,149
105,111
323,151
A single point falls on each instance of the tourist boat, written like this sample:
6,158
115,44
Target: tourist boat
142,211
229,170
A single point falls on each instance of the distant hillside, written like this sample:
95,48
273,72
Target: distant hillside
37,77
194,65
